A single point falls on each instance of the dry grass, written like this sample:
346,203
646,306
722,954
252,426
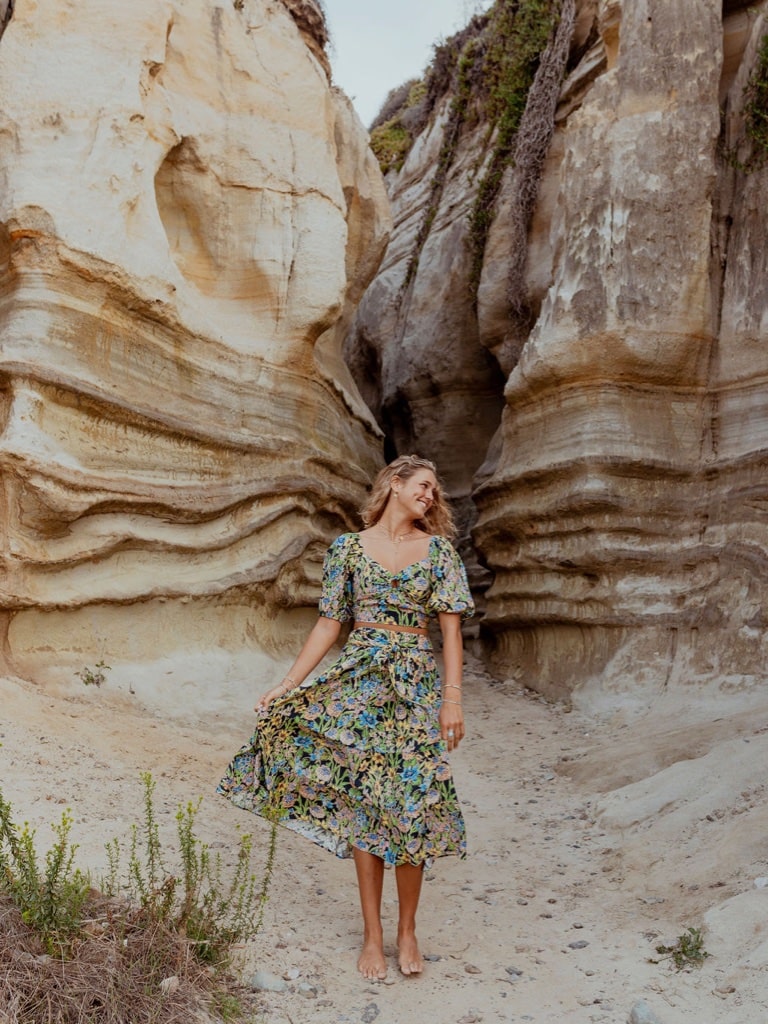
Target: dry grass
113,974
309,15
153,951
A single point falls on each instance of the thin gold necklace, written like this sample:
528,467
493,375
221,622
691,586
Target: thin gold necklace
397,538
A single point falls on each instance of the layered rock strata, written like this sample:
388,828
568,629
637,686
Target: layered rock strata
624,517
188,211
620,503
417,356
425,344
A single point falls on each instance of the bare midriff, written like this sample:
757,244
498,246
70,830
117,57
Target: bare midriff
392,627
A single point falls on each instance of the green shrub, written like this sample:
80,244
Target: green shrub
94,676
688,950
195,900
390,143
398,123
395,101
50,898
141,951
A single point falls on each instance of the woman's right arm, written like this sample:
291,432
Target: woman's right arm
321,639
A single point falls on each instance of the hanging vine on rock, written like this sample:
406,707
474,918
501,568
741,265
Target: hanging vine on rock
456,118
534,136
756,108
521,32
492,66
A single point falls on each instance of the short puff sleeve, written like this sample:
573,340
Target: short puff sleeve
450,589
336,598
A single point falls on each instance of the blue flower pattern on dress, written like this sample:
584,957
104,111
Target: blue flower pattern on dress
354,758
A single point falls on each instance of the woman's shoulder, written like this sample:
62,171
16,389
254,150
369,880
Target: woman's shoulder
444,556
342,543
343,540
441,543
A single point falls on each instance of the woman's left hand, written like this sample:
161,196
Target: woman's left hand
451,724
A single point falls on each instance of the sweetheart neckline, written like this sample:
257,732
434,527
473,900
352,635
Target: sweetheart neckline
399,572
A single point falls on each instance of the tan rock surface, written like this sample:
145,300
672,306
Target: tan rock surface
622,516
416,354
184,213
620,512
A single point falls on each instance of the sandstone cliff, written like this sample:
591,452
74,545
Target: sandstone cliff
621,503
188,212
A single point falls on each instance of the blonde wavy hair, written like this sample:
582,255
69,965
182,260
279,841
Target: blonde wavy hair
439,518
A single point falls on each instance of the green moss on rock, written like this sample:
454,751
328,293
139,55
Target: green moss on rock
756,106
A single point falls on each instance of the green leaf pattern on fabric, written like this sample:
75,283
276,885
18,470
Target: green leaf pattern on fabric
354,757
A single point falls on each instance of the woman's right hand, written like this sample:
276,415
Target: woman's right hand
266,698
321,639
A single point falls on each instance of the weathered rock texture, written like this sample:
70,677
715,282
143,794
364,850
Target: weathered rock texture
421,351
417,357
623,519
188,212
622,502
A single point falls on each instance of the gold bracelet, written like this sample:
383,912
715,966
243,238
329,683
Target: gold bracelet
452,686
456,702
287,679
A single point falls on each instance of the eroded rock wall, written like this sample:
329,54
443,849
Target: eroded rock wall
188,210
620,503
623,518
415,352
425,344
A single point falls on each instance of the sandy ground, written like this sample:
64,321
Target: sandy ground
592,840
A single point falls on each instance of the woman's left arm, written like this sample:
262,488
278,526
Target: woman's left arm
451,712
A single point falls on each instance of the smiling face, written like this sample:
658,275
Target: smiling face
416,495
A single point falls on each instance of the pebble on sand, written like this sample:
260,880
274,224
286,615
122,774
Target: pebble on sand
263,981
641,1013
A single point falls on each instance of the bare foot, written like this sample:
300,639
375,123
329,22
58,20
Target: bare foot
372,963
410,958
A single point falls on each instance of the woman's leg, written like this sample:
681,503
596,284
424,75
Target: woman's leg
409,878
370,881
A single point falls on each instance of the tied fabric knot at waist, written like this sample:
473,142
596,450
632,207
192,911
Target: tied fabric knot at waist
404,654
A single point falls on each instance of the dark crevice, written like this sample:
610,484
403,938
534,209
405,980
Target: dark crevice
6,13
397,424
732,6
364,361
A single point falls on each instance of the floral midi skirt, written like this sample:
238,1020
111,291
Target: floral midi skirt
354,759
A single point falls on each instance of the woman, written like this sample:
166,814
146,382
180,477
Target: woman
356,759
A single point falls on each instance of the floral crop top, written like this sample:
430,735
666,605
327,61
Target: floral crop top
357,587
